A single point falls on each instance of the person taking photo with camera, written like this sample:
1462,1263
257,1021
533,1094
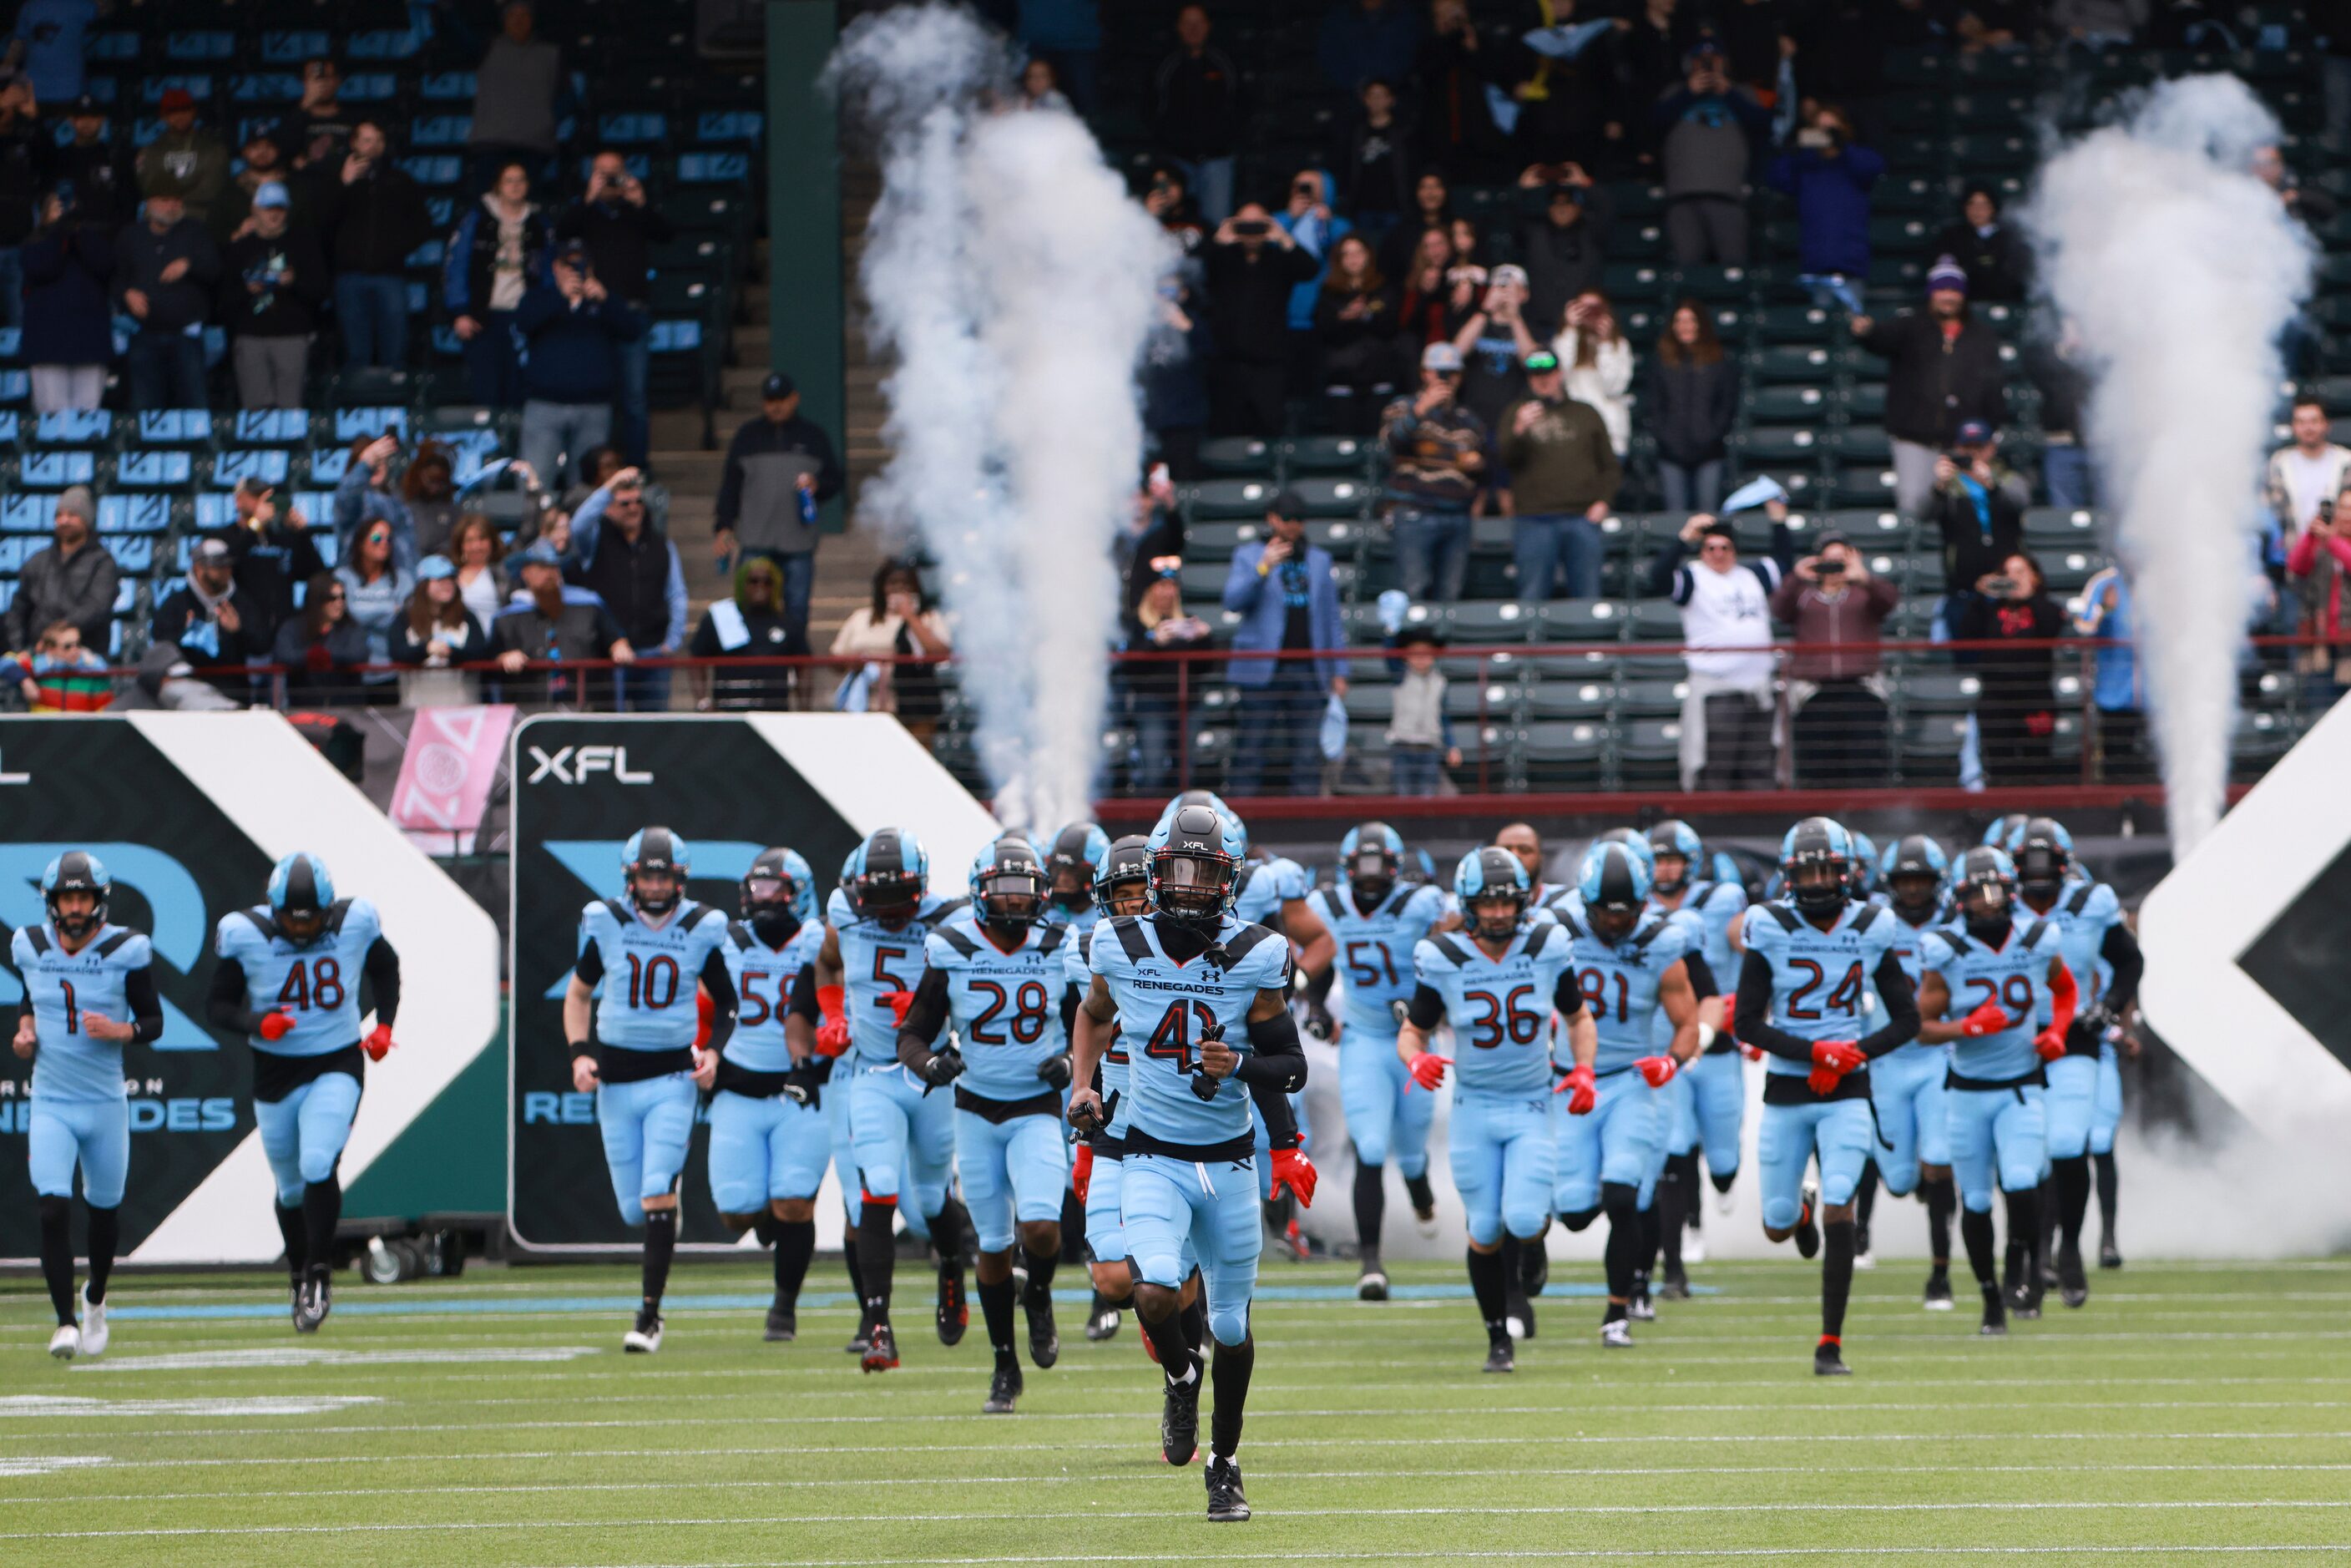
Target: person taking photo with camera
620,230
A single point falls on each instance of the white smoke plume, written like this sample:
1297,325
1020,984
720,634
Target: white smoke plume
2178,268
1012,281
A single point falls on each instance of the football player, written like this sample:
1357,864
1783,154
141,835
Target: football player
1073,865
1905,1085
1706,1103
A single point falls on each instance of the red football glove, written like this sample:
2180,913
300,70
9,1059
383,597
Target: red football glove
275,1026
378,1045
1656,1071
1581,1089
833,1034
704,1010
1832,1060
1428,1070
1294,1172
1986,1020
1752,1052
2049,1045
901,1002
1081,1170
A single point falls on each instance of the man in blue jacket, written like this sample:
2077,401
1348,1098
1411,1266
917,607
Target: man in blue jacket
571,330
1831,179
1288,599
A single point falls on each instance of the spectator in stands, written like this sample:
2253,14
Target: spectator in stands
573,328
317,133
2103,612
1419,732
68,333
271,555
474,548
60,675
24,146
165,267
1288,598
1709,132
1317,231
1597,360
262,164
1199,113
1431,211
1040,87
497,252
1564,251
187,161
364,496
215,624
1174,378
1943,370
1830,175
1727,717
1157,622
1835,690
1979,505
375,215
1994,25
2097,24
1067,36
2016,709
546,625
1354,330
1253,266
1436,453
319,649
376,587
1566,97
750,625
2315,569
435,631
1373,156
101,187
901,623
1997,259
274,278
519,95
429,491
1450,72
2065,472
620,230
72,579
1166,197
1693,403
1494,343
2307,475
1153,531
1425,312
1653,57
617,554
48,42
1367,40
780,468
1563,481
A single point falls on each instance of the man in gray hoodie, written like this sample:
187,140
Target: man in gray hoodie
517,92
73,579
779,467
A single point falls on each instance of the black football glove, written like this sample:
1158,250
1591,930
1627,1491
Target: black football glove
1055,1070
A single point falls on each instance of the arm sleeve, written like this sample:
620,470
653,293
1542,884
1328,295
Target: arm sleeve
1701,975
1426,1008
722,1000
803,1002
590,965
1567,996
925,1018
2121,949
1276,1058
383,967
1752,1013
224,1006
1901,998
1071,997
146,1006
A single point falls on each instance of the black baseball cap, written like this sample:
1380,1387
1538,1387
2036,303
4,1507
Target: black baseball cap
1288,505
776,385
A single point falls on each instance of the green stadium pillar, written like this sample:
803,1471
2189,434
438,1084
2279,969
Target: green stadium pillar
805,305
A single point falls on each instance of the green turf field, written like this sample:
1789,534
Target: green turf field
2187,1412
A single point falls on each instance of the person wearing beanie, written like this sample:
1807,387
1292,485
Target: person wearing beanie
73,581
1943,370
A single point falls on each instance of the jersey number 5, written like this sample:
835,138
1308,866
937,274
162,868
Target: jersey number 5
318,984
1172,1040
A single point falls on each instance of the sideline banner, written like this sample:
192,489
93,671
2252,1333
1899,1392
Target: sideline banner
446,773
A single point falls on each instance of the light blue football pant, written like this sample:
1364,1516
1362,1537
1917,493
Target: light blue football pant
845,1157
1504,1164
303,1134
646,1126
1839,1131
1708,1101
1621,1139
1168,1204
903,1140
2108,1118
763,1150
1012,1169
93,1134
1388,1114
2070,1106
1906,1087
1996,1131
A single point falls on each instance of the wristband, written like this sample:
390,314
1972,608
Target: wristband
1706,1033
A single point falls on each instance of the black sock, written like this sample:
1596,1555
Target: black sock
1650,1229
795,1245
105,1229
1674,1191
1941,1197
996,1306
1370,1205
1230,1373
1487,1284
1040,1273
1280,1212
849,1256
298,1246
1193,1321
1837,1241
1534,1262
1722,1180
1622,1254
876,1255
1579,1221
1975,1230
2105,1166
57,1254
1179,1361
1512,1279
322,1209
763,1226
1866,1200
2071,1178
2024,1226
949,1228
1074,1229
660,1240
2044,1233
1423,1195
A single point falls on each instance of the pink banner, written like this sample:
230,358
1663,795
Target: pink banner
446,778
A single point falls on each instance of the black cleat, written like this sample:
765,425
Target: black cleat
1829,1362
1808,1235
313,1301
1534,1266
863,1337
1102,1320
294,1299
881,1349
1225,1503
1004,1388
1938,1293
783,1322
2073,1280
1519,1315
1044,1338
644,1335
1423,1202
1179,1420
1675,1285
2025,1300
1500,1354
2109,1255
1995,1316
954,1309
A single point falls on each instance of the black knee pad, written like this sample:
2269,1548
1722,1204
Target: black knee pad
1620,1201
1581,1219
56,1210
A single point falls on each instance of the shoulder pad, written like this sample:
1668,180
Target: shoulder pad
956,940
1132,938
1085,948
948,910
1650,932
109,947
1331,905
261,920
336,913
1448,943
2033,937
1053,934
1539,938
1566,922
1785,915
740,935
2081,899
701,914
1240,883
1241,943
39,938
1869,918
619,911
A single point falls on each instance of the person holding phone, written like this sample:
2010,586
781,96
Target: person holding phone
621,229
1838,608
1252,264
2016,713
1978,504
373,215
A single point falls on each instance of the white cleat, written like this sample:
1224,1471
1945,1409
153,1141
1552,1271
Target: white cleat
1721,1206
1860,1259
1617,1335
645,1337
1693,1248
66,1343
94,1332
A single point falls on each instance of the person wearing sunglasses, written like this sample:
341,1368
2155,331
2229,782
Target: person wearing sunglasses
376,588
754,623
319,647
1157,622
